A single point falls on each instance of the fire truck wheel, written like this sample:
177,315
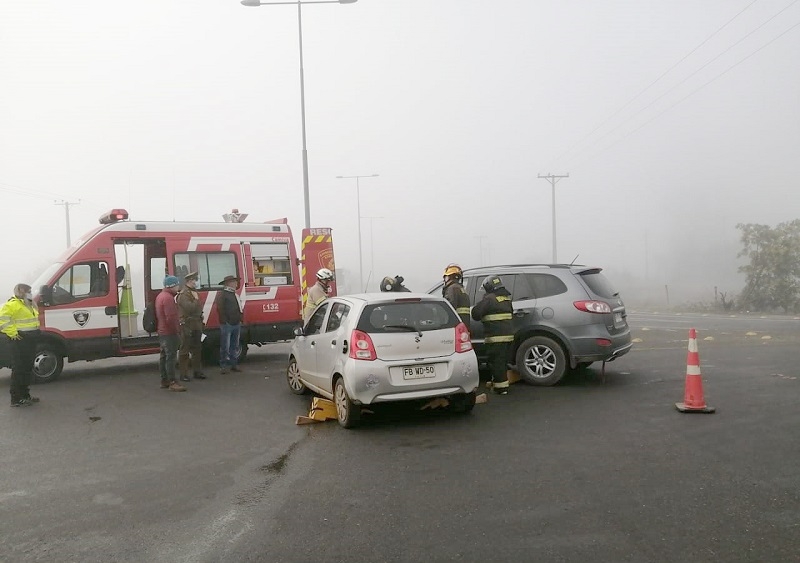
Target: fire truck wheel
293,378
242,352
48,363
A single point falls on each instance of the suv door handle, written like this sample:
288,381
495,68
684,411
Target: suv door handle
521,313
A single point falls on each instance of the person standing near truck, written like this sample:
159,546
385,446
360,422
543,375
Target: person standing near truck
168,333
318,292
495,311
230,325
19,322
190,310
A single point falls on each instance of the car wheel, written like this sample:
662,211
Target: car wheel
48,364
541,361
463,402
293,378
347,413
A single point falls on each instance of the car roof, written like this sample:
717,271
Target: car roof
505,268
388,297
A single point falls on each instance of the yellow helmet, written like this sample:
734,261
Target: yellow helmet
453,270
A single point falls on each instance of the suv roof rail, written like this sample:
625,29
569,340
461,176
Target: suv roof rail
499,266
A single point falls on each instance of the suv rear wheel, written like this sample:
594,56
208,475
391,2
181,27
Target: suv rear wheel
541,361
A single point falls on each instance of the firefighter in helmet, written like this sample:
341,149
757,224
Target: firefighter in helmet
495,311
454,292
317,292
393,284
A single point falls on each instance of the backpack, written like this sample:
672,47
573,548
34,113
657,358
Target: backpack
149,320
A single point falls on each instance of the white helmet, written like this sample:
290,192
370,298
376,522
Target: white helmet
325,274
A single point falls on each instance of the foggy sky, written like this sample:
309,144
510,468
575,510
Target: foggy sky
672,126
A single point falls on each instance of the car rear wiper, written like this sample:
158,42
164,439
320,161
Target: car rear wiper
405,327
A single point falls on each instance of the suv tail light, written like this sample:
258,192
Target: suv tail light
463,340
361,346
592,306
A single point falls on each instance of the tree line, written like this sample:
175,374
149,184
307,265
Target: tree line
772,273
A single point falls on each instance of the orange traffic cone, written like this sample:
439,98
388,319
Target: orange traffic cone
693,400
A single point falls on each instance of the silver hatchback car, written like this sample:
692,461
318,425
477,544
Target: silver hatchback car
383,347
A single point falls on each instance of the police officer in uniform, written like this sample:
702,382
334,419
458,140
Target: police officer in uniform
454,292
190,310
495,311
19,322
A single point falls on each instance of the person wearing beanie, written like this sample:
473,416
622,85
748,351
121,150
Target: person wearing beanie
169,330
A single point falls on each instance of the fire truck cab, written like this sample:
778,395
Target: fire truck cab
91,301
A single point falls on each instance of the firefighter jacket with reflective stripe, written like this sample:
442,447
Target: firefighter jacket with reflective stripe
454,292
495,311
18,316
316,295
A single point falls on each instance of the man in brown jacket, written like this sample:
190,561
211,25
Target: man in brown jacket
190,310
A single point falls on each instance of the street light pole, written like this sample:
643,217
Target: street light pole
256,3
553,179
358,209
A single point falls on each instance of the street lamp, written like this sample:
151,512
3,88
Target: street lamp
358,207
256,3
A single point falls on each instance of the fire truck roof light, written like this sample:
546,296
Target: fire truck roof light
113,216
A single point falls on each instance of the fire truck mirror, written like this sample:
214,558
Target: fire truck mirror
46,295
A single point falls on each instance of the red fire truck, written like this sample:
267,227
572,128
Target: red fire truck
91,301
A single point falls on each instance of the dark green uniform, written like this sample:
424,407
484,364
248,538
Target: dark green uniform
191,313
495,311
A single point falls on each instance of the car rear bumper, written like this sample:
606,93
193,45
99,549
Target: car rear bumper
371,382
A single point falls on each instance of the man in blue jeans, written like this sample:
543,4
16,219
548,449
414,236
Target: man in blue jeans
168,333
230,324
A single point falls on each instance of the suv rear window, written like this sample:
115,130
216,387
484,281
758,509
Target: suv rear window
599,284
417,315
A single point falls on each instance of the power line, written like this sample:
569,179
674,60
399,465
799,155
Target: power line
651,104
28,192
653,83
693,92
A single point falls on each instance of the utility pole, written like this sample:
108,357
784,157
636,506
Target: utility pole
66,205
480,247
553,179
371,245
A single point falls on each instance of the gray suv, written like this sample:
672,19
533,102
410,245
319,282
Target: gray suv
565,317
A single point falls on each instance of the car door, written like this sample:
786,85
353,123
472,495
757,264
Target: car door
329,344
306,345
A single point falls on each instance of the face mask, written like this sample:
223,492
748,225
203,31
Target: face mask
28,297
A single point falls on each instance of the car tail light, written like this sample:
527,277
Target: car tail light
361,346
603,342
592,306
463,340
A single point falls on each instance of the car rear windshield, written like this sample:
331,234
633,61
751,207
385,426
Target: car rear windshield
402,316
599,284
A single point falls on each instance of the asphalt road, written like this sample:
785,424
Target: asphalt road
110,467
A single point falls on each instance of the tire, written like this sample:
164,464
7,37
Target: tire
48,363
541,361
462,403
293,379
347,413
242,352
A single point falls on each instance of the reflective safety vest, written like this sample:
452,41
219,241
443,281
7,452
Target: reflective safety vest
17,316
495,311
